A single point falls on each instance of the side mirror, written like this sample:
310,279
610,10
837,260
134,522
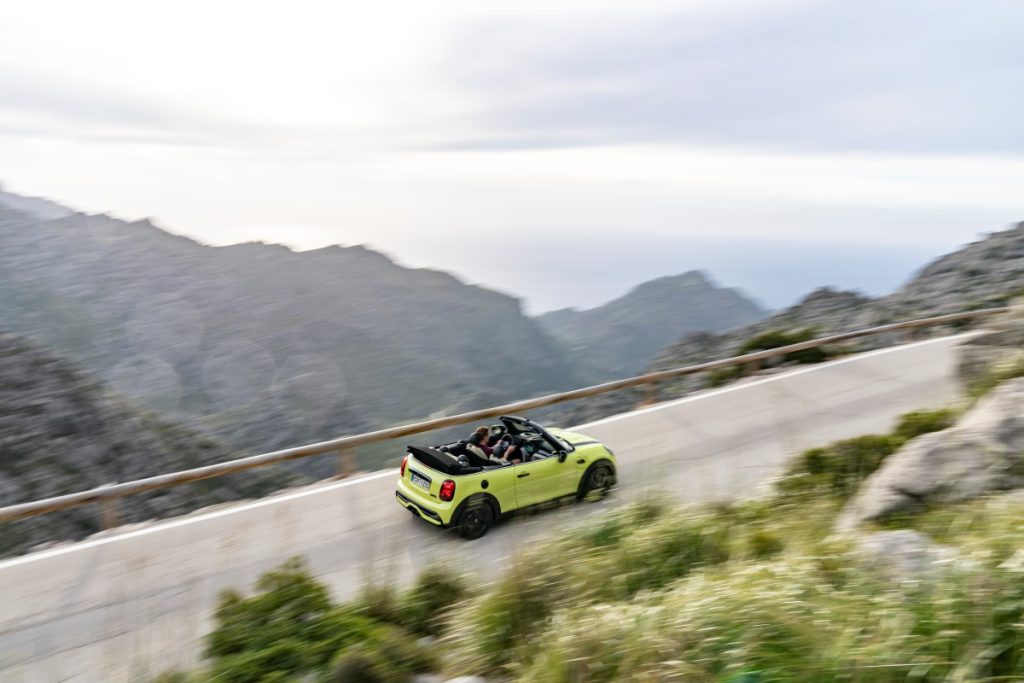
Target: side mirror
562,455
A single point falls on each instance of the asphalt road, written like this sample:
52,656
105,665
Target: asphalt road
131,604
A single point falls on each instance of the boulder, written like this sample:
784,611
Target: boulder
987,353
904,556
984,452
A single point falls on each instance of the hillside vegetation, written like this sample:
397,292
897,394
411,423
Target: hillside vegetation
754,591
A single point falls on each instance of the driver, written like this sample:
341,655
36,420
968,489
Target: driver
479,444
519,449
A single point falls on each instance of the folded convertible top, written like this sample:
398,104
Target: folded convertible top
440,461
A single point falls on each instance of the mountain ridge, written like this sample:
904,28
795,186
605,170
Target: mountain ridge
352,338
985,273
619,337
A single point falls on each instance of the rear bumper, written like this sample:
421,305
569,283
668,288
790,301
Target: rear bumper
435,513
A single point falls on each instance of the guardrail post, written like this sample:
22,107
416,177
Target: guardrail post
110,513
346,462
650,395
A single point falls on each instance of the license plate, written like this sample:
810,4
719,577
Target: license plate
420,481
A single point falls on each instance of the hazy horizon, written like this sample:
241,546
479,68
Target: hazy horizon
773,273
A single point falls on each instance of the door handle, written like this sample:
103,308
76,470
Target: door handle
524,474
580,461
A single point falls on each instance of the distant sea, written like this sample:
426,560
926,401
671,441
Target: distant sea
775,274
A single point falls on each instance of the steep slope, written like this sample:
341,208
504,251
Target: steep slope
266,346
619,338
62,432
982,274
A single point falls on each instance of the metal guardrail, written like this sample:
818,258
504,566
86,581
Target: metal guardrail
107,496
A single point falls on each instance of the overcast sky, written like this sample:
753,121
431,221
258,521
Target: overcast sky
562,151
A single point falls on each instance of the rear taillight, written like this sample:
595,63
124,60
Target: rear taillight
447,489
401,472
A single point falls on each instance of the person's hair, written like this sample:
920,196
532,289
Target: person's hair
482,432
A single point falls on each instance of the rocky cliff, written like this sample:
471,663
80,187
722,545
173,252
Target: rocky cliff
61,431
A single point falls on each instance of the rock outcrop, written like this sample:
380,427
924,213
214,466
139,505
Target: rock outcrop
61,432
903,556
987,355
983,453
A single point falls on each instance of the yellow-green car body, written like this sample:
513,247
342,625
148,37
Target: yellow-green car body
469,493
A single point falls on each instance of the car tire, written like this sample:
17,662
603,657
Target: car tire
475,519
596,482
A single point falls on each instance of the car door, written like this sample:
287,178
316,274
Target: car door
545,479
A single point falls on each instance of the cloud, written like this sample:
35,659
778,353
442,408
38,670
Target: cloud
933,76
38,107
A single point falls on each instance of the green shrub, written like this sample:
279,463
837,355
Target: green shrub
658,553
358,664
716,378
181,677
379,602
774,339
391,657
424,606
289,626
263,665
499,626
406,655
918,422
764,543
609,529
839,468
288,605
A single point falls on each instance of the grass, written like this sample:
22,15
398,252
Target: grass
754,591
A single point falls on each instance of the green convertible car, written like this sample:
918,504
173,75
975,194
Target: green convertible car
459,486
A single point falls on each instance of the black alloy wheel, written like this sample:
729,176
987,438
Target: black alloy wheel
597,483
475,520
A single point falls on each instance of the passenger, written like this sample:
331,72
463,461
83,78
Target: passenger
480,445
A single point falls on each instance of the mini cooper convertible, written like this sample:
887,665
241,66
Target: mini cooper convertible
457,485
